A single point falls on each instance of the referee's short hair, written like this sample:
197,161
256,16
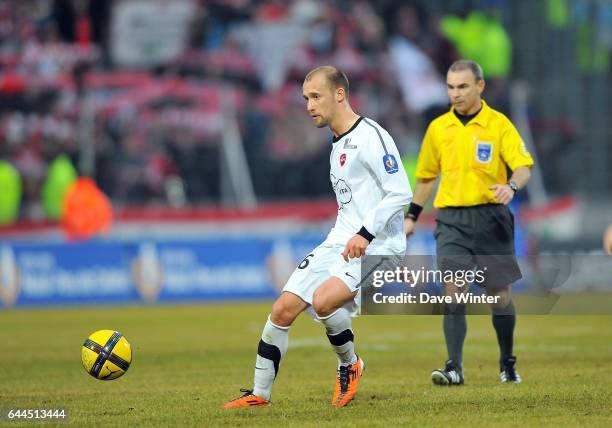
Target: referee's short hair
335,77
468,64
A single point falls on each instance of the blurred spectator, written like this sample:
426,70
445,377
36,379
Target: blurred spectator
81,21
422,87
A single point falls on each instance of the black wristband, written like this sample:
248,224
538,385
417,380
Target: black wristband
414,211
367,235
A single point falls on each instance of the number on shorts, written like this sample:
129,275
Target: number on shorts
304,263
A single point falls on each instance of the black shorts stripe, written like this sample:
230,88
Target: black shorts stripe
270,352
341,338
379,136
104,353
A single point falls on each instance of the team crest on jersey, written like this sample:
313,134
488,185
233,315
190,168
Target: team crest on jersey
484,151
342,159
390,164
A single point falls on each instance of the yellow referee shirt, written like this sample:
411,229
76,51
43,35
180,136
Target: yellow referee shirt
470,158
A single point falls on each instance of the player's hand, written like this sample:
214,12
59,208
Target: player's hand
355,247
409,227
503,193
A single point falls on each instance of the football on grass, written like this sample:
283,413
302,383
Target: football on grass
106,354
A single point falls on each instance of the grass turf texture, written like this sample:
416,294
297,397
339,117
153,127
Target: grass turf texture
189,360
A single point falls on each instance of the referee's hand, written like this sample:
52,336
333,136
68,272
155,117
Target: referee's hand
503,193
355,247
409,227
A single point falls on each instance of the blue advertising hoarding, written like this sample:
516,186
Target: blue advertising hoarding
160,270
34,273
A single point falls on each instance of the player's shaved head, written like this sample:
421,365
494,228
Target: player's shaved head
325,91
467,64
334,77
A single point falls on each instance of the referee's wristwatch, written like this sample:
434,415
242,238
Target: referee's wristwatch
512,184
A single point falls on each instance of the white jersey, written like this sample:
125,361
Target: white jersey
371,188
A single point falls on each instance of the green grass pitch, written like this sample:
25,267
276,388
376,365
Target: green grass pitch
189,360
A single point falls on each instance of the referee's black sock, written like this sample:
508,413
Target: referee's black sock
504,320
455,329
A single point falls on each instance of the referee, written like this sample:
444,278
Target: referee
471,148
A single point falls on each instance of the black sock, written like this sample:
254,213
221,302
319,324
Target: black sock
455,329
504,320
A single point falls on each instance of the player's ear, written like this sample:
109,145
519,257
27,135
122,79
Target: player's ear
340,95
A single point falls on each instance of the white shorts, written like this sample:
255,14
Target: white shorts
324,261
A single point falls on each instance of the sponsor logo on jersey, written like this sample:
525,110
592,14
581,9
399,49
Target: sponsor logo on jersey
344,195
390,164
348,145
484,151
342,159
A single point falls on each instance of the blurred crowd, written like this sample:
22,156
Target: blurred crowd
139,94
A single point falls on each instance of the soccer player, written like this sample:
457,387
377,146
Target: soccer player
371,189
470,147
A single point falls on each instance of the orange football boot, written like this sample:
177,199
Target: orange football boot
247,400
347,381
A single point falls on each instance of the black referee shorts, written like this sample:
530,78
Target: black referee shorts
479,237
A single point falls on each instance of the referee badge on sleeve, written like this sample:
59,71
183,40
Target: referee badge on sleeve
390,164
484,151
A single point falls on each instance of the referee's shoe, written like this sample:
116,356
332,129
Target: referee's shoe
507,371
449,375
